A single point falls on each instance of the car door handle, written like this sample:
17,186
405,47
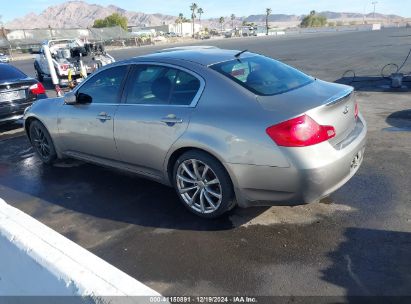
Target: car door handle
171,119
103,116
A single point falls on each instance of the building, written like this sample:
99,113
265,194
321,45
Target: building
184,29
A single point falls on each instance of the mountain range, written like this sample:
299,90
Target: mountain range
79,14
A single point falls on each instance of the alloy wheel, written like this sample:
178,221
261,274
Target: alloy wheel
41,143
199,186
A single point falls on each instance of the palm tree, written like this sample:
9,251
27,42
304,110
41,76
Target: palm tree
193,8
177,22
232,20
267,13
200,11
221,21
181,18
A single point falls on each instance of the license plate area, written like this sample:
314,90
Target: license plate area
13,95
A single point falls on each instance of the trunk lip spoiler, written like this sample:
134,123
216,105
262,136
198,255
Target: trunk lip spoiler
339,97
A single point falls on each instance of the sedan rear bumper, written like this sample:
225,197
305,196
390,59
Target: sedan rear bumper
14,110
315,172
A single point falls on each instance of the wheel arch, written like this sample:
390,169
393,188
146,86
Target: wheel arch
27,123
175,154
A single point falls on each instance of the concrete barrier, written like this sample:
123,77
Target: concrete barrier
37,261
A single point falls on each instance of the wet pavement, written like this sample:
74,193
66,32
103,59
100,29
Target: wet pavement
356,242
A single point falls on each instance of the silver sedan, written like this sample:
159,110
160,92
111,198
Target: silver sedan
223,127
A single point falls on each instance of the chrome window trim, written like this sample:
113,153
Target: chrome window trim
196,98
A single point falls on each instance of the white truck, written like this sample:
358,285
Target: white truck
72,60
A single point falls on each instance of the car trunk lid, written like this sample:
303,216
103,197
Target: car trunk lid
327,103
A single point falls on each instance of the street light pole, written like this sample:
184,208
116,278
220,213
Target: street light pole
374,3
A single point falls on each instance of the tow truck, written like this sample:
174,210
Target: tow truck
72,59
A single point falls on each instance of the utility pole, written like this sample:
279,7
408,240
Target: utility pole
374,3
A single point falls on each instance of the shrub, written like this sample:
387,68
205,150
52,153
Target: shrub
313,20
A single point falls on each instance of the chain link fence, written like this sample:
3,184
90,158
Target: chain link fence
23,40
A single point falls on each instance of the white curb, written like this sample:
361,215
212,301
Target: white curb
82,272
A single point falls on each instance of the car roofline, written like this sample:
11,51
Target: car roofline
163,55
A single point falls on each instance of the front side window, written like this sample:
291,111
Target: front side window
161,85
104,87
262,75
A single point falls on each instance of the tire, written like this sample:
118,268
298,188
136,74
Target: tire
42,142
40,76
206,191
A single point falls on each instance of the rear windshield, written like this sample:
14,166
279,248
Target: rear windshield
9,72
262,75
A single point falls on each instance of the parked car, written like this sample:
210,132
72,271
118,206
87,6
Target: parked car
66,55
229,34
170,35
17,92
4,58
222,127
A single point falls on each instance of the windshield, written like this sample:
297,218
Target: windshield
8,72
262,75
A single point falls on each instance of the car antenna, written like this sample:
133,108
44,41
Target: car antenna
239,54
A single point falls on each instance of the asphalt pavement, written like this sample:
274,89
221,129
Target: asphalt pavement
356,242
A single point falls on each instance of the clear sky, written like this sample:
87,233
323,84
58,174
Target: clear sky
215,8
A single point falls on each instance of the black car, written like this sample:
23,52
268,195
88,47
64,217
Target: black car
17,92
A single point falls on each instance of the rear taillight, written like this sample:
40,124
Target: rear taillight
37,89
300,132
64,67
356,110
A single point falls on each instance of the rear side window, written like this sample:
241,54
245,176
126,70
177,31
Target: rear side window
9,72
161,85
262,75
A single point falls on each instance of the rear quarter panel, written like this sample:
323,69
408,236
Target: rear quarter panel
230,124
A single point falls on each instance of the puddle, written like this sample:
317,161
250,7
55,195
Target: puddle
303,215
68,163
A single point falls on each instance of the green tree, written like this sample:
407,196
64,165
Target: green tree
313,20
112,20
193,8
181,19
245,23
200,11
267,13
221,21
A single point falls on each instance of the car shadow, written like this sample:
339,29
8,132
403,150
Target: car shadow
11,129
101,192
374,83
400,121
385,270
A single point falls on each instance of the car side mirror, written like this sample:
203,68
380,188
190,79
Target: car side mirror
70,99
84,98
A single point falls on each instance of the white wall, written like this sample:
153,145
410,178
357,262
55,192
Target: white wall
23,276
37,261
185,29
